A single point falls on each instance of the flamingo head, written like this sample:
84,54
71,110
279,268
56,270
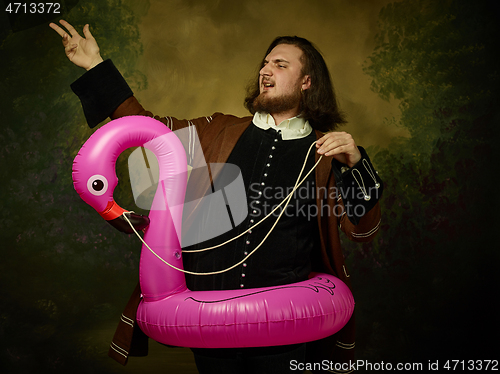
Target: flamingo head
94,178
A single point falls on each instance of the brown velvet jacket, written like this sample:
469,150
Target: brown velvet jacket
218,136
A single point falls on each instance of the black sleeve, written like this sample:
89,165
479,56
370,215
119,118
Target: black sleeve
359,186
101,90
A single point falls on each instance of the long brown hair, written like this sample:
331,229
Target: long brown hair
318,103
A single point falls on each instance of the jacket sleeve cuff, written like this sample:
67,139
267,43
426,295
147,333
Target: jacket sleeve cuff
101,90
360,186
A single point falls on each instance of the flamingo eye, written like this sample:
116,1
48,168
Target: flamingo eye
97,185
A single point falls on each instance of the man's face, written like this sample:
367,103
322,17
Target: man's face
281,81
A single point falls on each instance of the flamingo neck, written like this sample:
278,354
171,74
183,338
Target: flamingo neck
157,279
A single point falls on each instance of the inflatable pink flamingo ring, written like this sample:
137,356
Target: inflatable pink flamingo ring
169,312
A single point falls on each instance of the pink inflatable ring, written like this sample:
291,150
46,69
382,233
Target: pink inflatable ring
169,312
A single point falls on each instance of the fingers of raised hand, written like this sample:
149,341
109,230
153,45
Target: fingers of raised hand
57,29
86,32
69,48
70,28
67,36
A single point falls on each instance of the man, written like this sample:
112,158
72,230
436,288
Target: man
293,105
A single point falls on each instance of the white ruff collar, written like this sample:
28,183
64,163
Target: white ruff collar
293,128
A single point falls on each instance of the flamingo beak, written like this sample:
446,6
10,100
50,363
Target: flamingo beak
113,214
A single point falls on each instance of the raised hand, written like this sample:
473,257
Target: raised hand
83,52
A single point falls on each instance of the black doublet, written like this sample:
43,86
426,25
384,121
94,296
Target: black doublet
270,167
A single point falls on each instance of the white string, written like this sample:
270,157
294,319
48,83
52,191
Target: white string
370,171
286,199
363,189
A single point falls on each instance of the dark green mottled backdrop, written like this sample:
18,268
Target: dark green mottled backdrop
419,82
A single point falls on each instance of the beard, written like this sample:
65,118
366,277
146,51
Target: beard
280,104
